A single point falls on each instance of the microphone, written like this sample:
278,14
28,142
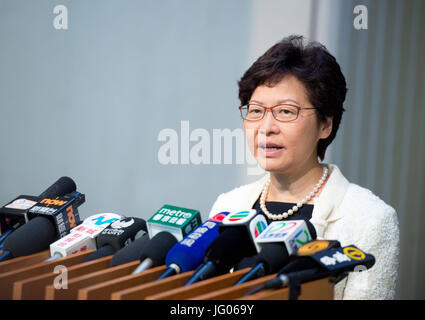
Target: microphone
334,262
236,241
189,253
32,237
83,237
61,187
130,252
278,241
15,213
61,213
155,251
117,235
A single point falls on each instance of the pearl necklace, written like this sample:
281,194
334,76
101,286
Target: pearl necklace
294,208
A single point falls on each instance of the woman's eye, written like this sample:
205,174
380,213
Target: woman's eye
286,111
254,110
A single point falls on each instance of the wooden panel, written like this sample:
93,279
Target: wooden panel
321,289
34,288
7,279
22,262
103,291
142,291
234,292
91,279
201,287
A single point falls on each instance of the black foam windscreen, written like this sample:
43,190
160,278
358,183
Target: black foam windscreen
231,246
100,253
131,252
34,236
121,232
298,264
158,247
311,230
61,187
274,256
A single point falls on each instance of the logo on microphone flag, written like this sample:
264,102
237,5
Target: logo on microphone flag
260,226
177,220
219,216
293,233
344,258
239,217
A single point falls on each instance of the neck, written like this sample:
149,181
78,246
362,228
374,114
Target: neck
294,186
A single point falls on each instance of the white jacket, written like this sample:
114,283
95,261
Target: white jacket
352,215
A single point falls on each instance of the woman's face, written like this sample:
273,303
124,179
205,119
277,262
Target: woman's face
285,146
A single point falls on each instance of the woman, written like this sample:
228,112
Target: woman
292,103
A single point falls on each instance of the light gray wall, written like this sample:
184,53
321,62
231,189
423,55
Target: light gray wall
381,141
90,101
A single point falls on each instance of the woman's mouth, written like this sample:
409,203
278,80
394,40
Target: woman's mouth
269,149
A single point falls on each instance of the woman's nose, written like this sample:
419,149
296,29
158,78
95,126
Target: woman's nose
268,124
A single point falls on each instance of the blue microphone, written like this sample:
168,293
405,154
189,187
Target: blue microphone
189,253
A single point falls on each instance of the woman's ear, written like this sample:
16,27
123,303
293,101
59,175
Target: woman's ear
325,128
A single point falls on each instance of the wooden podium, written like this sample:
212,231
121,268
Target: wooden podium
30,277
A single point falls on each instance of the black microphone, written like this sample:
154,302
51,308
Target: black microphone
61,187
60,213
277,242
15,213
335,262
236,241
116,236
155,251
130,252
34,236
227,250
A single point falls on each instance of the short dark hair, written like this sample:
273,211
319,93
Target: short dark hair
311,64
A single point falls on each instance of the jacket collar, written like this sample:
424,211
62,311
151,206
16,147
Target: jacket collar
325,205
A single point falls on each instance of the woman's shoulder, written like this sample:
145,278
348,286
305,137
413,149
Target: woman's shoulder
367,217
355,200
362,201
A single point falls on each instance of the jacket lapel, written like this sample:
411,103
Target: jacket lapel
329,199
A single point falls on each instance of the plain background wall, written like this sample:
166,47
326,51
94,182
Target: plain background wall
89,102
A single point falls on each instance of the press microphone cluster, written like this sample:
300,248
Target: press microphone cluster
175,236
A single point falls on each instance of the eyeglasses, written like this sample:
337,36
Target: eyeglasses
281,112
